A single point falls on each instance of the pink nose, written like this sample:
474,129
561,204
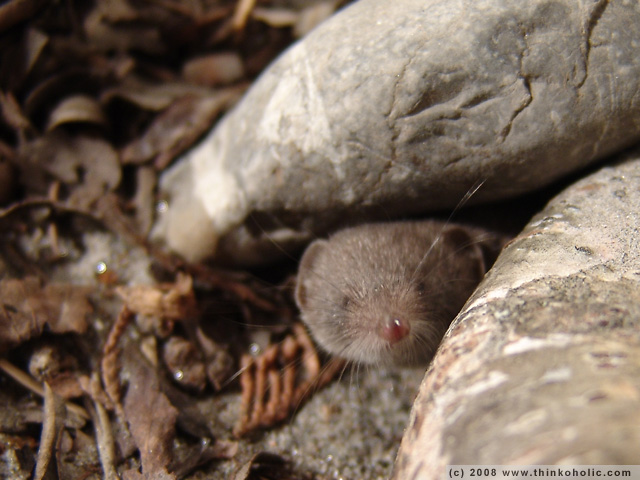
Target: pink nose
394,329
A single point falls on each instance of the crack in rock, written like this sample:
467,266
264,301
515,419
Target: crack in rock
507,129
592,21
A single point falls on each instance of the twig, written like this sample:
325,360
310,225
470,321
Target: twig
30,383
51,428
104,439
240,16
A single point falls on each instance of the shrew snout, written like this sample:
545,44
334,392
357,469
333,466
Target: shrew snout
394,328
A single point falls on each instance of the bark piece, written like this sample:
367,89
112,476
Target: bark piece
542,366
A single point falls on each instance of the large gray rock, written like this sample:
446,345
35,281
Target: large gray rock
393,108
542,366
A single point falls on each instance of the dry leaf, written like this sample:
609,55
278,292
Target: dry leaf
76,109
276,17
151,96
151,419
144,199
12,113
66,385
213,70
50,89
219,363
313,15
120,65
269,466
178,127
204,453
26,306
75,417
66,157
174,301
106,29
102,171
53,364
183,361
35,42
159,475
7,180
16,11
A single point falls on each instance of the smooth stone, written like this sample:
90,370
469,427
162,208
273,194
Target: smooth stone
542,366
390,109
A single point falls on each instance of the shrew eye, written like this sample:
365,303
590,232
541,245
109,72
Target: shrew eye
420,288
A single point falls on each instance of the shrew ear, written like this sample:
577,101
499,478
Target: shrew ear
306,270
464,241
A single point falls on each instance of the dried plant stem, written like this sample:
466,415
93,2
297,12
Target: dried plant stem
30,383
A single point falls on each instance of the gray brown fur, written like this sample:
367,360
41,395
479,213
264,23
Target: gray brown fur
421,272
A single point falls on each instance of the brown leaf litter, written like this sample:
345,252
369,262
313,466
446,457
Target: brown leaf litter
96,100
26,306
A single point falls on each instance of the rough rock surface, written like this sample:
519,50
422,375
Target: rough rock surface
542,366
393,108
